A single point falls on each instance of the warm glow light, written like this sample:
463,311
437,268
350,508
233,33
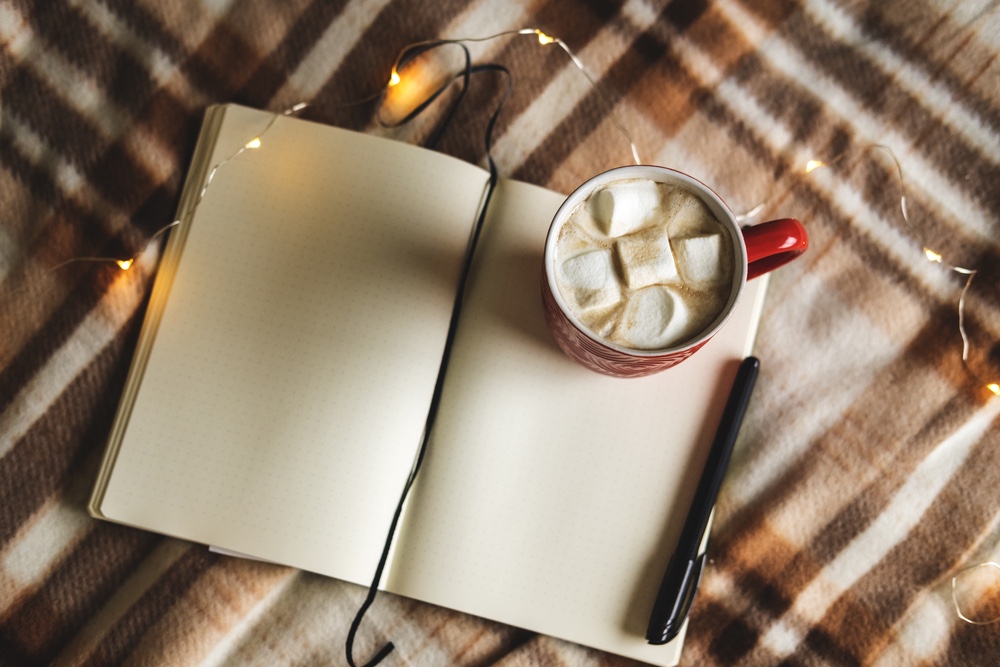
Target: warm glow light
543,38
409,88
124,264
254,143
994,387
931,255
814,164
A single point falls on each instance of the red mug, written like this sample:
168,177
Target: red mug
758,250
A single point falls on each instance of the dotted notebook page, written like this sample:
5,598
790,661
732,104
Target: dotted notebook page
552,496
287,387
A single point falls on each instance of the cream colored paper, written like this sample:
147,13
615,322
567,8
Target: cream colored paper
552,496
285,395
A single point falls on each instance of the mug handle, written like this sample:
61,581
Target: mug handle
773,244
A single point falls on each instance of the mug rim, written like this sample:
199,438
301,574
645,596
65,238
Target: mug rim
656,173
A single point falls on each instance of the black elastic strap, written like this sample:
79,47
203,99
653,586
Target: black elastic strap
467,72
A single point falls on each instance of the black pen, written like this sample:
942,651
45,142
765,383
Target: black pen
680,583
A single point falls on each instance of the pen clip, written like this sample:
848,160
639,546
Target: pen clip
673,601
691,580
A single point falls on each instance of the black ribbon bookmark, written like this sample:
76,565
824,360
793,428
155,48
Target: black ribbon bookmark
465,76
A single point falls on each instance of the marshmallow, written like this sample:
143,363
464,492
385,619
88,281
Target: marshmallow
700,259
591,279
602,322
583,219
687,215
646,258
623,207
654,318
575,239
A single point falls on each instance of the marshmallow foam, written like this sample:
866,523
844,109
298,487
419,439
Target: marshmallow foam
638,264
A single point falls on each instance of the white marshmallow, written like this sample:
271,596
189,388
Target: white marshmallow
654,318
687,215
646,258
591,278
623,207
583,219
700,259
574,239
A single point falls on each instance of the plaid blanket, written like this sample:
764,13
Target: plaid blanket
867,474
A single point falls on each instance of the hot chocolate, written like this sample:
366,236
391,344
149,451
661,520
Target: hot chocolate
644,265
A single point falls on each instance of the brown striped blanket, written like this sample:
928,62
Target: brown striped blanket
868,471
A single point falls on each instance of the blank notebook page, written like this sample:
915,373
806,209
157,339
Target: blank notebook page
552,496
285,396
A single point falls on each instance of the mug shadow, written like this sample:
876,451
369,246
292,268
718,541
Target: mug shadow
518,305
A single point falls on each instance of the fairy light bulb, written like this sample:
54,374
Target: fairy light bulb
407,90
124,264
544,39
994,387
932,256
253,143
813,165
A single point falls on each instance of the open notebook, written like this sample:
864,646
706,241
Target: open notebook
285,368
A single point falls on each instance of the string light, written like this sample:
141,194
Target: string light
814,164
123,264
931,255
395,78
974,592
544,39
